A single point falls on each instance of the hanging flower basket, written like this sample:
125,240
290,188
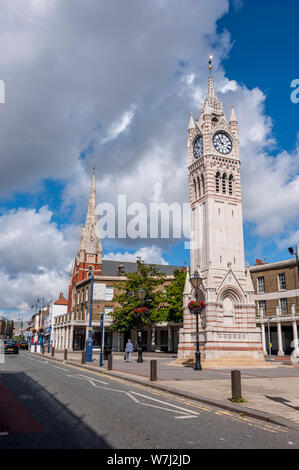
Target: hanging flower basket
41,330
141,311
193,306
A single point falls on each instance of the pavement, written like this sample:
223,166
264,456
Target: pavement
48,404
270,393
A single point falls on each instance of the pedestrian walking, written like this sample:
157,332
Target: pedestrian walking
129,350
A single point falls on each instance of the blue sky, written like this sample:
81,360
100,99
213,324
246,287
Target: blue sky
116,92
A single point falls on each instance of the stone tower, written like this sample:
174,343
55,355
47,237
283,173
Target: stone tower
228,323
90,249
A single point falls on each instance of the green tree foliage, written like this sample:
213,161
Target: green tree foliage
151,280
174,296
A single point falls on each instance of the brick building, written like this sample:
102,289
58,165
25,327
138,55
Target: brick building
6,328
276,288
70,329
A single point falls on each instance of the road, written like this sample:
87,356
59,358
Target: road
50,405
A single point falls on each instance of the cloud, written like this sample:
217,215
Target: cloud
149,254
35,257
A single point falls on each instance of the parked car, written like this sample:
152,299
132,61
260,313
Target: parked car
11,347
23,345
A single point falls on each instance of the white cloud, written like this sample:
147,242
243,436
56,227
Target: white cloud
35,257
120,126
149,254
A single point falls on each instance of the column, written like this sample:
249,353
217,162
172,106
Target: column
279,335
158,345
71,337
153,341
295,331
169,339
261,311
67,338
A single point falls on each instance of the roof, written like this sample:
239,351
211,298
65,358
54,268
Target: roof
275,265
110,268
61,300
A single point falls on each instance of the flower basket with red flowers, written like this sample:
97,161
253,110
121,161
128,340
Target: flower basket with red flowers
41,330
193,306
141,311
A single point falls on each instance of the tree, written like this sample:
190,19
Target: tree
149,278
174,296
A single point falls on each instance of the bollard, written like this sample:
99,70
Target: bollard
236,385
153,370
109,365
83,357
65,354
35,348
43,350
53,351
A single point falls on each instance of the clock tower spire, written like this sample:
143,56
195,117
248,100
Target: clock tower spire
216,245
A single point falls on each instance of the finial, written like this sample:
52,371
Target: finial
210,63
93,168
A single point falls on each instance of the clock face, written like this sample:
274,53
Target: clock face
198,147
222,143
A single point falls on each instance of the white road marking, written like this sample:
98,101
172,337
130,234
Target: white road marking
43,362
165,403
60,368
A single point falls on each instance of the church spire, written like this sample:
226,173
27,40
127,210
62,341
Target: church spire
90,243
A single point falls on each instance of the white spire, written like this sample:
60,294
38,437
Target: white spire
191,123
187,287
248,284
233,117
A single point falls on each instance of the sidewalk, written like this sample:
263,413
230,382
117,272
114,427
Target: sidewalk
273,390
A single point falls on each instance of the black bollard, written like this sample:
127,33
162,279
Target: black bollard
236,385
153,370
83,357
109,365
52,351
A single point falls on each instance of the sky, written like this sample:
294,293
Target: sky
112,83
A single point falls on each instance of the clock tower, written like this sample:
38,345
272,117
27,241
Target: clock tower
228,324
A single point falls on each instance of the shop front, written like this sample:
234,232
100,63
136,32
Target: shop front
79,339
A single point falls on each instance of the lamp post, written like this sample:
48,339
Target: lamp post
89,342
141,295
195,281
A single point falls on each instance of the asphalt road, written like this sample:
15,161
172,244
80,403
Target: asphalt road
49,405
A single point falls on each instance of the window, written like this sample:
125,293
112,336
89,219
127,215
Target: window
195,192
224,183
109,293
107,316
203,184
281,281
198,185
284,306
262,306
217,180
261,284
230,185
86,294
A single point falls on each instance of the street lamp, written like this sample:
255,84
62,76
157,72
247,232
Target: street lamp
195,281
141,295
89,342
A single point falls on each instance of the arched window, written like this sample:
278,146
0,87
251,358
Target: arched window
202,184
224,178
217,182
195,191
230,185
198,186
